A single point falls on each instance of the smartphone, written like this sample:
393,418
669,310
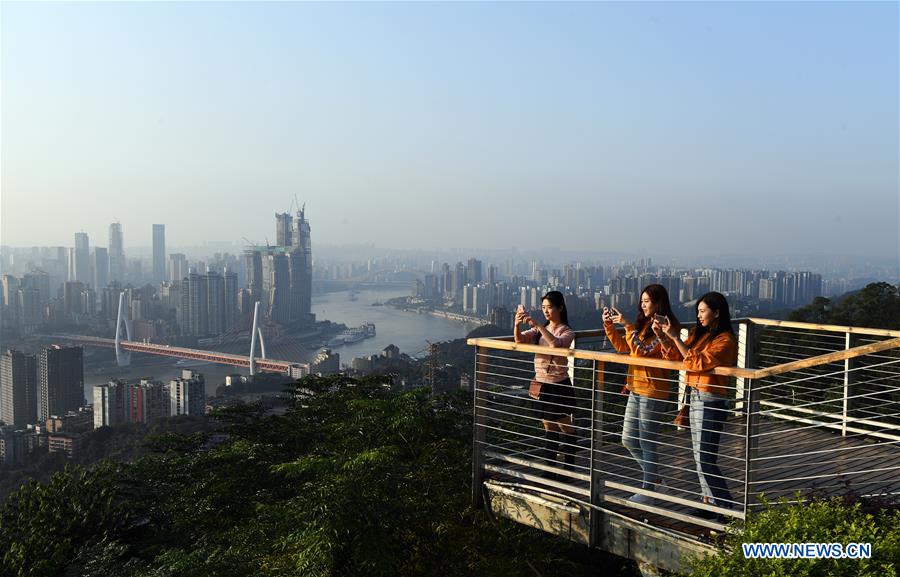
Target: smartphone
521,309
661,319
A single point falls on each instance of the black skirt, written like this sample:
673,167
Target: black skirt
557,400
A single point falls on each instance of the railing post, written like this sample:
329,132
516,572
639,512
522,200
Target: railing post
597,381
746,334
478,432
848,404
751,439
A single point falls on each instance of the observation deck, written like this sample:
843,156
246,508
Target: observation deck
814,410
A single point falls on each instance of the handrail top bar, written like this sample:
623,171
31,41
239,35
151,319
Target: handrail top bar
827,328
623,359
829,358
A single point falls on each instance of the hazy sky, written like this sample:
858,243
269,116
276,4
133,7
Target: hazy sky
660,127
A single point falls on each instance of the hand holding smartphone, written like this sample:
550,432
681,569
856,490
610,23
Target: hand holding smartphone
521,315
610,314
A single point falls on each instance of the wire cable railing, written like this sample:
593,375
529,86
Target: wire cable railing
820,415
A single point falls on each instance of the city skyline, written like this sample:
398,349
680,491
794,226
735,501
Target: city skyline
741,128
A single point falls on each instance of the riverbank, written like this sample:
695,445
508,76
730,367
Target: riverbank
402,303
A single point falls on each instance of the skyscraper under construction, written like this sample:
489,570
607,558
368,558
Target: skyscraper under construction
280,276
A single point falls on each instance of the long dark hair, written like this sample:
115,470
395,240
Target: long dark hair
715,301
557,299
659,296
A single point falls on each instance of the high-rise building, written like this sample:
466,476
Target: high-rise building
178,267
109,301
187,395
31,311
445,282
283,229
13,447
482,300
101,268
301,268
194,314
230,302
276,286
40,280
61,384
116,253
493,274
18,389
70,264
430,287
208,303
468,298
118,402
10,285
81,267
72,299
215,303
147,400
473,271
110,402
501,317
170,298
458,281
280,277
9,299
253,268
159,253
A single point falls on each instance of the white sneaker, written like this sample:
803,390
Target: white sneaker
660,488
641,499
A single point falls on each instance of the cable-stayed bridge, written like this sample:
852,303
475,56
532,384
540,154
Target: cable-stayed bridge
261,364
124,346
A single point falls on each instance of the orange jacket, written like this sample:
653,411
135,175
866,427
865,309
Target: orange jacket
706,354
645,381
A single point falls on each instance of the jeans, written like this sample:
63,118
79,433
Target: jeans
708,414
640,434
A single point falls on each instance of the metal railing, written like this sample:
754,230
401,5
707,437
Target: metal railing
819,413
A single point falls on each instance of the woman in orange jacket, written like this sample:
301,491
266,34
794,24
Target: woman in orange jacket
649,387
711,344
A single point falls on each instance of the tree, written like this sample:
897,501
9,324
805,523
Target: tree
817,312
818,521
352,480
875,306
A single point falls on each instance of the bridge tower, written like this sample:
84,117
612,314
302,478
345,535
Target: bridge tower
123,357
256,332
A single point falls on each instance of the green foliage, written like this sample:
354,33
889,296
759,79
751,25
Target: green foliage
818,312
121,443
819,521
875,306
351,480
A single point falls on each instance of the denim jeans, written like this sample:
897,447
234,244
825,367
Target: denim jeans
708,415
640,434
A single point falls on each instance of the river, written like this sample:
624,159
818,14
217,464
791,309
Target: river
407,330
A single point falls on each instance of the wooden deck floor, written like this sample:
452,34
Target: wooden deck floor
791,457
